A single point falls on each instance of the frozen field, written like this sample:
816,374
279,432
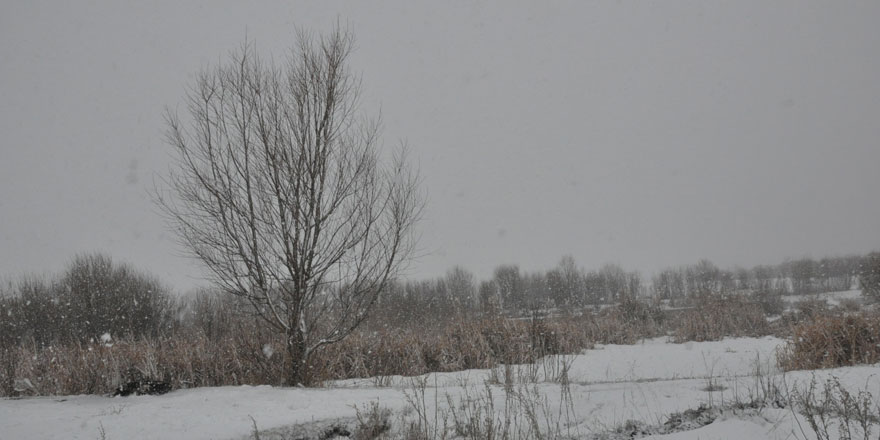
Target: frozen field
607,387
832,298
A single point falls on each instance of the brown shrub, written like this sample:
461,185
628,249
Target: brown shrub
833,341
850,305
187,360
716,318
812,308
771,303
460,345
805,312
626,323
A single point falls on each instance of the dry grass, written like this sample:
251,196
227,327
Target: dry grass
247,354
251,356
191,361
833,341
461,345
831,411
241,351
480,343
628,323
715,318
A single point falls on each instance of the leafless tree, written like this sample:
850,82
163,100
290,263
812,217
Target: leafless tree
566,283
869,276
510,287
281,190
462,286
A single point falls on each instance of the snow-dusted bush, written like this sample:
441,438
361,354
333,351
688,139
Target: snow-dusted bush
771,303
93,297
833,341
97,296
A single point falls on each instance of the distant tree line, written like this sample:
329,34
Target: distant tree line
797,277
95,296
869,276
568,286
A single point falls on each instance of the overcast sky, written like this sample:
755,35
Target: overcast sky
648,134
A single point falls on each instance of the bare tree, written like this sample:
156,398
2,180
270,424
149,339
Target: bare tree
280,189
462,287
869,276
565,283
97,295
510,287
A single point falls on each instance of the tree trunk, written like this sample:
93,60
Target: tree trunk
296,349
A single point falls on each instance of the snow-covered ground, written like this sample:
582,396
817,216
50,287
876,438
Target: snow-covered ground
651,360
832,298
609,386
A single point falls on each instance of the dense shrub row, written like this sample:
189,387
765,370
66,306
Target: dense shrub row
218,347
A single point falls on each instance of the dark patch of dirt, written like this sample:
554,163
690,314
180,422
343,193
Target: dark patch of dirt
684,421
691,419
141,387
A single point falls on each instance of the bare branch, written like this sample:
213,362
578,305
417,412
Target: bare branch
281,191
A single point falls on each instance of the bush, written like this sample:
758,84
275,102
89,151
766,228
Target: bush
92,298
626,323
98,297
833,341
714,318
811,309
771,303
850,305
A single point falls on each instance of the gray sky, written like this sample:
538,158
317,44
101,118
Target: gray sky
648,134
